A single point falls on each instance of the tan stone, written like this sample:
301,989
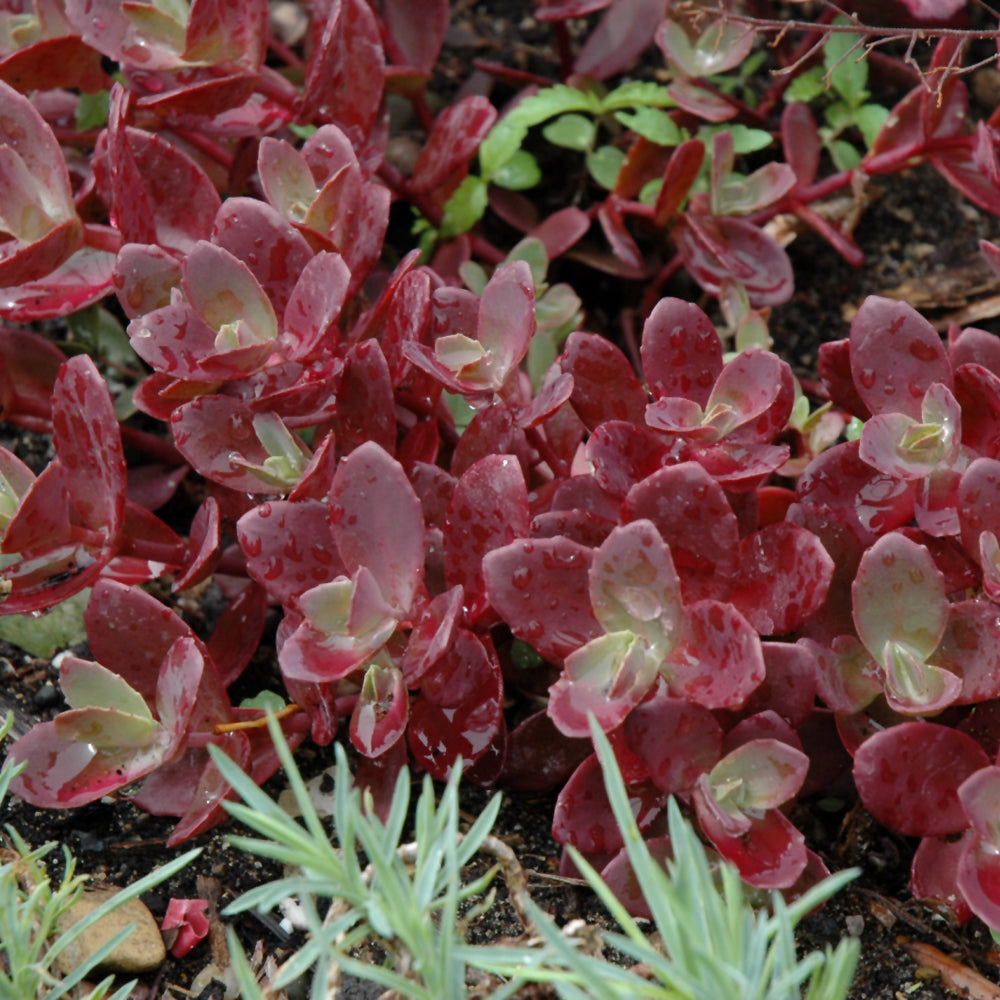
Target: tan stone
142,951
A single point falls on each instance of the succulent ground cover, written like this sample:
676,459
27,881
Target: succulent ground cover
341,322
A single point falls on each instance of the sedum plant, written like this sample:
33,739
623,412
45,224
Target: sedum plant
32,906
714,943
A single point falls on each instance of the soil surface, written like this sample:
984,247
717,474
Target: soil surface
920,240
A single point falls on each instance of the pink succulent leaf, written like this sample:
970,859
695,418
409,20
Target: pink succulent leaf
205,547
365,404
431,636
800,141
693,516
227,35
224,293
718,661
769,854
847,678
913,686
242,226
64,774
507,314
899,597
83,279
86,683
756,776
717,250
623,454
386,537
143,278
179,684
681,173
634,587
908,777
605,386
204,809
977,878
133,209
683,417
189,919
868,502
677,739
896,356
607,677
583,816
15,480
989,561
419,33
87,440
288,183
563,10
272,536
979,504
977,390
735,195
619,876
346,70
129,32
218,436
108,730
719,46
934,873
979,794
750,389
460,708
381,712
488,510
132,632
541,589
315,305
623,32
784,575
453,141
176,341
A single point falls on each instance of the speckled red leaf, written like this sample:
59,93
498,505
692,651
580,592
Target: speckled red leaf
896,355
418,30
583,816
458,130
605,386
692,514
718,661
681,351
624,454
460,708
378,522
237,633
908,777
934,873
365,402
624,30
541,589
488,510
289,547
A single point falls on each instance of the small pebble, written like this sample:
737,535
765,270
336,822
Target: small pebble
46,696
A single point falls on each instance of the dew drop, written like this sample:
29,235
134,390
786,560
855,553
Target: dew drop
521,578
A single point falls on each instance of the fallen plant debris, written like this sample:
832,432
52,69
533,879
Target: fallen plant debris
368,384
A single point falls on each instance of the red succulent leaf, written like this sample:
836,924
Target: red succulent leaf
431,636
899,597
453,140
386,537
623,454
583,816
488,510
784,574
541,589
237,633
800,141
189,920
625,29
606,678
314,306
979,796
65,62
418,32
974,171
143,278
694,518
718,661
381,712
717,250
365,401
563,10
634,587
681,173
934,873
619,876
977,390
346,69
978,878
205,547
896,355
605,386
677,739
908,777
540,757
870,503
289,547
681,351
770,854
460,709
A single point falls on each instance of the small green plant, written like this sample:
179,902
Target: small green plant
32,908
713,943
